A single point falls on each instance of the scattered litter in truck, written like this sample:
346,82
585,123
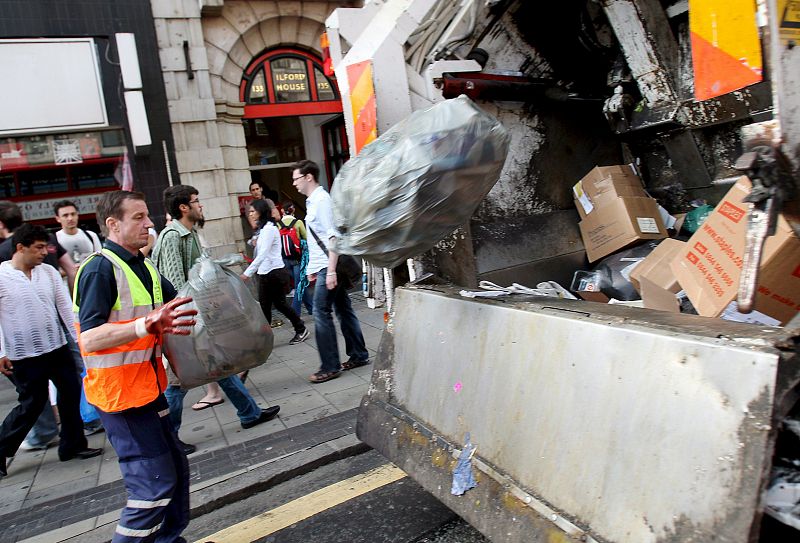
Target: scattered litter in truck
463,479
492,290
783,496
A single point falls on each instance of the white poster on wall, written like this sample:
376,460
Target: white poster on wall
50,85
35,210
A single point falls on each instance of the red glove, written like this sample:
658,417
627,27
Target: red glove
167,319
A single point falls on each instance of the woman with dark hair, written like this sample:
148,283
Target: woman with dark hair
273,279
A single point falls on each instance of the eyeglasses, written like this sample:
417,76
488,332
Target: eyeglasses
298,177
194,201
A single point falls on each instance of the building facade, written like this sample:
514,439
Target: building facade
49,49
247,96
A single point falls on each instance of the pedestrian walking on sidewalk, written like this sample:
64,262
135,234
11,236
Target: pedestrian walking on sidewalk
34,302
273,278
328,294
124,307
176,251
296,264
79,244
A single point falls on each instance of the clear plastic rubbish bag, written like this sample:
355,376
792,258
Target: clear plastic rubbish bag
231,334
418,182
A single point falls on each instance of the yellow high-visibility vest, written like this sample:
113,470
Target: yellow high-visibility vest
129,375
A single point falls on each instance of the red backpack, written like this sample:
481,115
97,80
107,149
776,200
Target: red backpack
290,242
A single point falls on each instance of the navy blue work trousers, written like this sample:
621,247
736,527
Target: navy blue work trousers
155,471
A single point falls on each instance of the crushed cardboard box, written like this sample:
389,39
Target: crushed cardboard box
709,266
656,266
615,211
654,279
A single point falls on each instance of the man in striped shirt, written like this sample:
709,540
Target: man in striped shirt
33,346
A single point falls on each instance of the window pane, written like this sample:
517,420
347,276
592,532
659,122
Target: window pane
7,188
258,88
290,80
324,88
42,181
276,140
93,176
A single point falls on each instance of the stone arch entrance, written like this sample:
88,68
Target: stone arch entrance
205,48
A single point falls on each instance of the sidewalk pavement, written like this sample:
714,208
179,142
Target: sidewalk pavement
43,499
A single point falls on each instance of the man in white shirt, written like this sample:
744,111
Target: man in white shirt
328,294
33,346
79,243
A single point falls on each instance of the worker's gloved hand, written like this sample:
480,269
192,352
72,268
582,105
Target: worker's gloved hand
168,319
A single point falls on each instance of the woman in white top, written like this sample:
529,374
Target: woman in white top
273,279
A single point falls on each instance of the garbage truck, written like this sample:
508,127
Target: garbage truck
578,420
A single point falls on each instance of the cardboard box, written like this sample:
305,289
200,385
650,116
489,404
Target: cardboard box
709,267
620,223
656,266
603,184
659,298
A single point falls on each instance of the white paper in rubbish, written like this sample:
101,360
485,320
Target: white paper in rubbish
668,220
731,313
626,271
583,198
647,225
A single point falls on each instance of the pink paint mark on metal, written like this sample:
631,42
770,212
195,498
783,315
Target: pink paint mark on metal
457,387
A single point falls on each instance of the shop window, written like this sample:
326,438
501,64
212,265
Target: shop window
93,176
258,88
275,140
42,181
324,86
59,163
290,80
287,76
7,185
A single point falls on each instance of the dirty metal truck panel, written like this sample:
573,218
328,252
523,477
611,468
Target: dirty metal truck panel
591,421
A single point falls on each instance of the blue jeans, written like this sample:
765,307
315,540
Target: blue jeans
88,411
246,407
325,301
308,295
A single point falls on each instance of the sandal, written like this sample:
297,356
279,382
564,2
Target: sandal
354,363
322,376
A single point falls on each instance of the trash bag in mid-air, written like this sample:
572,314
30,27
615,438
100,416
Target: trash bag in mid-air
418,182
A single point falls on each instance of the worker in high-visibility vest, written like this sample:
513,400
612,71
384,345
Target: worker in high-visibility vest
123,307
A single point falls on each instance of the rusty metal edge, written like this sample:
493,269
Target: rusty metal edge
497,507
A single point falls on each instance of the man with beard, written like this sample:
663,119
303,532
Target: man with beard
176,251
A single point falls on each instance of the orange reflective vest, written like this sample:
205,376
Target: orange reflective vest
128,375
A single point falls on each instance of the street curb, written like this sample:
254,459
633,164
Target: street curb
263,477
288,449
239,485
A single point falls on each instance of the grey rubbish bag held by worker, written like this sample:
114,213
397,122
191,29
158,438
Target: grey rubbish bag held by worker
123,306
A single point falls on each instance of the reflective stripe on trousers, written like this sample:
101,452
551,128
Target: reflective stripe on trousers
155,472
